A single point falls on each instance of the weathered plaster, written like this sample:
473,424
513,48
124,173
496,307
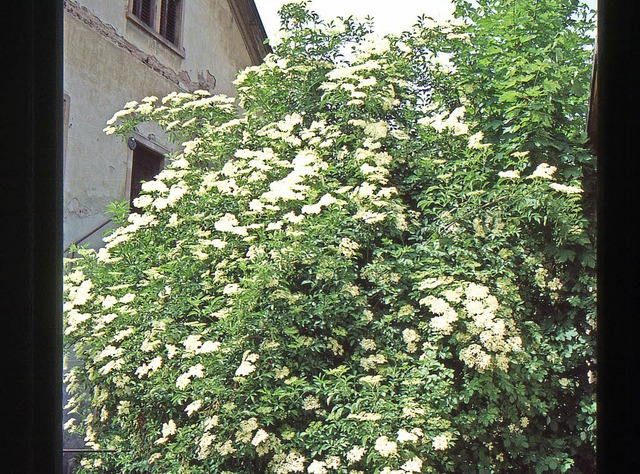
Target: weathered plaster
109,60
180,78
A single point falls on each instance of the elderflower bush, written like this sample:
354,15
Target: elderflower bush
363,271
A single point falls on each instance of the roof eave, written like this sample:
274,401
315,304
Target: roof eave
253,33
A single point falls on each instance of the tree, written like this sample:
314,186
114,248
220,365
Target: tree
383,262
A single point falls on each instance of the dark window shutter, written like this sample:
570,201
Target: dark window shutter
169,17
146,165
143,9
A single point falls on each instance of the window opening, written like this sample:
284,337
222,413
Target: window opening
143,9
146,165
169,20
162,16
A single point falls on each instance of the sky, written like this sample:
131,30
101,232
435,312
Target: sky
389,16
392,16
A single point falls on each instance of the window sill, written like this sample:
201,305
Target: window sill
179,50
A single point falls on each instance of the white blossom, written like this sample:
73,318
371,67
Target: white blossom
441,442
208,346
413,465
404,436
544,171
317,467
192,342
385,447
509,174
247,365
355,454
565,189
259,437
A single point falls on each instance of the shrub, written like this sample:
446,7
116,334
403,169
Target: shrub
378,259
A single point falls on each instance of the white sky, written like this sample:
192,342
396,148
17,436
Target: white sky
390,16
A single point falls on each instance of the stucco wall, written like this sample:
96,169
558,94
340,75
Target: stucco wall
109,60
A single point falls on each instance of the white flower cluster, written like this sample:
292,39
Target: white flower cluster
442,441
109,351
371,380
306,164
488,340
247,365
193,344
365,416
317,467
372,361
78,295
562,188
244,74
543,171
475,141
151,367
351,72
495,337
412,436
357,79
310,402
509,174
355,454
207,439
185,379
412,465
246,431
447,121
229,223
177,101
168,429
165,197
446,315
325,200
410,337
284,463
368,344
283,130
260,436
193,407
385,447
348,247
372,45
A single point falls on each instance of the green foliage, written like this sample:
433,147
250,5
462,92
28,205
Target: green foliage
385,264
119,212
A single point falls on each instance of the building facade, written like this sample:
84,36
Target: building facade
116,51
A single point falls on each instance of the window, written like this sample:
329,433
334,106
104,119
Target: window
147,163
169,19
162,17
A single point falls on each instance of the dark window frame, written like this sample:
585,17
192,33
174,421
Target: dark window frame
144,10
162,19
141,168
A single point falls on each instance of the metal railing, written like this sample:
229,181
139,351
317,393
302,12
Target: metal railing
86,236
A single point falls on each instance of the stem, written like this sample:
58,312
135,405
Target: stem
489,204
